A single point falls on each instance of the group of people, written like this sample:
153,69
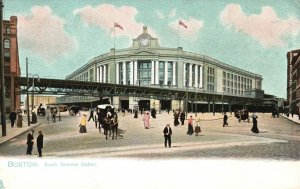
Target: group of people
16,117
39,143
178,115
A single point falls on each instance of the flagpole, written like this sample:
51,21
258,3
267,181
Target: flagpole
114,37
178,34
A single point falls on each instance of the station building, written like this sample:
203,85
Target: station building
146,63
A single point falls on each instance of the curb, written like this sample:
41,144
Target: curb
28,128
290,119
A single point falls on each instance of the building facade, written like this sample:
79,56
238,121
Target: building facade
293,80
145,63
11,63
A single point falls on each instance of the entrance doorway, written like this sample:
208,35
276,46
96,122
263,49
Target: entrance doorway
165,104
144,104
124,104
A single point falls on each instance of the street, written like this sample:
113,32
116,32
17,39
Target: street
279,139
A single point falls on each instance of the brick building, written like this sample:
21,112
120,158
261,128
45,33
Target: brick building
11,63
293,80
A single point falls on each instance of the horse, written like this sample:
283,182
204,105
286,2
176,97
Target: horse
105,119
114,126
107,124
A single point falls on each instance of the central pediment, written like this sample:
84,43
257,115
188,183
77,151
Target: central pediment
144,52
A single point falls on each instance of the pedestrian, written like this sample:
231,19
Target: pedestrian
13,117
29,142
146,120
91,114
167,134
20,120
197,127
254,128
123,112
225,118
33,117
96,120
135,113
176,116
190,126
182,117
40,143
82,124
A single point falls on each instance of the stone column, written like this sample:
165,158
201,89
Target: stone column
166,73
196,76
152,72
131,73
156,72
117,73
191,75
201,77
174,73
104,73
135,74
97,74
124,73
101,74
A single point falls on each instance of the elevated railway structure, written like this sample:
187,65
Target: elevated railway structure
95,89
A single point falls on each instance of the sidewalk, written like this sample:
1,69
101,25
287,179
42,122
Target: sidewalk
15,131
295,118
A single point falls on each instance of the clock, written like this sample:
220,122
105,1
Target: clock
144,42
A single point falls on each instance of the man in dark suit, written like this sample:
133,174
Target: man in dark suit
167,134
13,117
40,142
29,142
225,120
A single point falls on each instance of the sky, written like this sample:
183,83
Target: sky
59,37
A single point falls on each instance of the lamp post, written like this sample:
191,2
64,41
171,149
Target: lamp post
3,111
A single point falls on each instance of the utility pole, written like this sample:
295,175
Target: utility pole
27,101
3,111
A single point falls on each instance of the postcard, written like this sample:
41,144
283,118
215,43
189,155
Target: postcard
150,94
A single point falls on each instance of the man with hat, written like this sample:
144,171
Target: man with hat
40,142
167,134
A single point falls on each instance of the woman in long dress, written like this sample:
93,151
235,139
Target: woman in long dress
176,117
190,126
82,124
254,128
146,120
20,120
197,127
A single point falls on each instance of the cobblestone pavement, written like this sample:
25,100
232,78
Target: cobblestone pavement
279,139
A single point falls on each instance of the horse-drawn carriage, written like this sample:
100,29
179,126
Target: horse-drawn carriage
242,115
108,120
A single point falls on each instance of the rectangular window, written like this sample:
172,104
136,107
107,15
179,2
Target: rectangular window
6,56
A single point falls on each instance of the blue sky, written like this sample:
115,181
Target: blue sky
60,36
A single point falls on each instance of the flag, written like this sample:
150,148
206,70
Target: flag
118,26
183,24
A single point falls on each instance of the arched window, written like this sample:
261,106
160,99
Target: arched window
6,43
8,30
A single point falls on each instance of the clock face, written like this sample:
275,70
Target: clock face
144,41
